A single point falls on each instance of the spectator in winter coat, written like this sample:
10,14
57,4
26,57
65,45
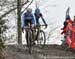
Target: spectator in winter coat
67,21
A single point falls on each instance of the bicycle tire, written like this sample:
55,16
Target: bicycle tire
30,41
41,39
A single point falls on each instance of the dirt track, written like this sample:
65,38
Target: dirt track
48,52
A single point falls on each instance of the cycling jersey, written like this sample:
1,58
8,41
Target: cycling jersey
27,17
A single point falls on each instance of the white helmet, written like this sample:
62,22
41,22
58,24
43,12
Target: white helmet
29,10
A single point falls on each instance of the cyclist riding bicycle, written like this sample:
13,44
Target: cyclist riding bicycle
27,17
39,15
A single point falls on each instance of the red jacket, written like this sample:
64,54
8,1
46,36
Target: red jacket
64,30
70,21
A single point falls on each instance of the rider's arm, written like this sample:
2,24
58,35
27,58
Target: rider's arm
22,20
65,25
34,20
64,31
43,19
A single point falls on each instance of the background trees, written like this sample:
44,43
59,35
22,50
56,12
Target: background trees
8,12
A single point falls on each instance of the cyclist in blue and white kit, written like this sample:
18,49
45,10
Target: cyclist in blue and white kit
27,17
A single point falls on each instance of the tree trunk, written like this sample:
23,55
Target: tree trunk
6,13
19,22
1,55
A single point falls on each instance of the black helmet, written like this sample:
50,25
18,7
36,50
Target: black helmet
37,10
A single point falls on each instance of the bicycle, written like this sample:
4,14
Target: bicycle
40,37
29,37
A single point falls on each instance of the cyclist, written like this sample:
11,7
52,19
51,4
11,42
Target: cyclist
27,17
38,15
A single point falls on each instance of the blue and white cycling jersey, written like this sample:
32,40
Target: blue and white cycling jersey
26,16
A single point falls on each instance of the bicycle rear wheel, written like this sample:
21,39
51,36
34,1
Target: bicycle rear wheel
41,39
30,41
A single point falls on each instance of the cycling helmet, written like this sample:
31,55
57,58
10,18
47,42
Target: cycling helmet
37,10
29,10
67,17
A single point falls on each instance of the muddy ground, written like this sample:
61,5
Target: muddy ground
48,52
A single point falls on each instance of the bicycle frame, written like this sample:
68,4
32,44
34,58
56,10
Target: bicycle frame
38,30
29,37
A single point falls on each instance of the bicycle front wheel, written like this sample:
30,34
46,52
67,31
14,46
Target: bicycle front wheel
41,39
30,41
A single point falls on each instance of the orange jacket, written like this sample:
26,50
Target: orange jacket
65,29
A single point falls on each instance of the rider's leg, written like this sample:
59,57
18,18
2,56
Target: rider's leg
26,36
33,36
37,33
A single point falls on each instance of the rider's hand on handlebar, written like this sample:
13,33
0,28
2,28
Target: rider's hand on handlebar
23,30
46,26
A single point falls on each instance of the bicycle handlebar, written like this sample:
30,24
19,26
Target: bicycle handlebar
40,25
33,26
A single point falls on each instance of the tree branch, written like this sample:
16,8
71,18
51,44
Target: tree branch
27,6
11,10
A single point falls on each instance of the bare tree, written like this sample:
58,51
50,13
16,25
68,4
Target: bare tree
8,6
19,21
10,9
